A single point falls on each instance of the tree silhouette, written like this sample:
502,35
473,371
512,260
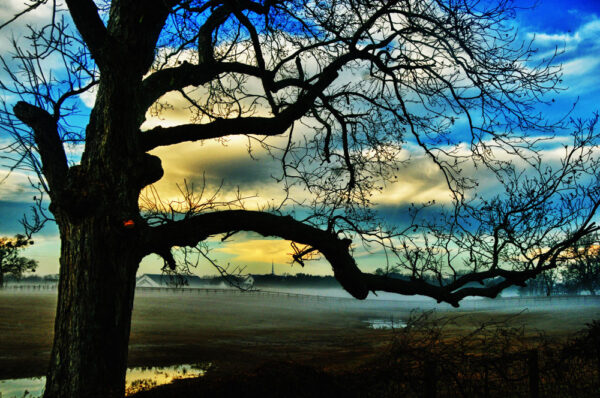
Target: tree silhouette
332,90
582,270
10,261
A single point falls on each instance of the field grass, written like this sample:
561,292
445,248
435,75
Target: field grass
239,334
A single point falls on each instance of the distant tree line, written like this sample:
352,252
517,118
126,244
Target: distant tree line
580,272
285,280
572,280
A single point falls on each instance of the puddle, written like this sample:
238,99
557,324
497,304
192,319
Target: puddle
137,379
385,323
18,388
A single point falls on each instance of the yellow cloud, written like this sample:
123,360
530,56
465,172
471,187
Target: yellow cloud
420,181
258,251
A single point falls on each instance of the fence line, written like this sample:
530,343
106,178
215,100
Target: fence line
473,304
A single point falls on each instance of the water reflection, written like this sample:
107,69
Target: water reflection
137,379
385,323
18,388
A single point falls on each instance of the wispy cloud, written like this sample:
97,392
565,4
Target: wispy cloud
587,31
15,186
581,56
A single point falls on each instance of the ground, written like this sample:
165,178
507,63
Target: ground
243,332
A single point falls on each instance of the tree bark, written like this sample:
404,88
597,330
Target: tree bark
95,301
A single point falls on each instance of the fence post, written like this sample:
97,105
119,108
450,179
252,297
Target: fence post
430,378
534,374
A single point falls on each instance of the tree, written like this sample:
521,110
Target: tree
10,262
583,270
548,280
333,90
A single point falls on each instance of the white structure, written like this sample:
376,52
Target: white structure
147,281
158,280
248,283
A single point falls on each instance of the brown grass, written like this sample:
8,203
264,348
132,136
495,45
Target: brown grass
240,334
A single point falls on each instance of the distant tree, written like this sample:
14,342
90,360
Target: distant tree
335,91
548,280
533,287
51,278
583,270
10,261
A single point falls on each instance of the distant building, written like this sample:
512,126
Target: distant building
248,283
159,280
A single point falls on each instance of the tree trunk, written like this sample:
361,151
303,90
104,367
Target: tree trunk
93,318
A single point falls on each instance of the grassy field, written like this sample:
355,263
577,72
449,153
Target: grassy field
239,333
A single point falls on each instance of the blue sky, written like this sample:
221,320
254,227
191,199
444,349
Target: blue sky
572,26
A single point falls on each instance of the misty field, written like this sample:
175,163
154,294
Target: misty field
238,333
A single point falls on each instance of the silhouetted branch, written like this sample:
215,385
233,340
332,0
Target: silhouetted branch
92,29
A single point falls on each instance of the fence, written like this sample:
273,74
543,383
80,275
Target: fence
30,287
426,303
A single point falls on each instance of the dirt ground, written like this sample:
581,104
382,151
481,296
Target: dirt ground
243,331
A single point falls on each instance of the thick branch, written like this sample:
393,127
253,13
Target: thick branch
266,126
90,26
191,231
196,229
186,74
252,125
47,139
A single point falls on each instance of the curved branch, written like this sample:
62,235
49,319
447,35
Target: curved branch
191,231
253,125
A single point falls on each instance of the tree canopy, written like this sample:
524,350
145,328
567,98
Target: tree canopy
582,268
10,261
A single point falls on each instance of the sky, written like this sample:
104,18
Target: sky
572,25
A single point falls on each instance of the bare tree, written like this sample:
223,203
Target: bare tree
582,268
334,91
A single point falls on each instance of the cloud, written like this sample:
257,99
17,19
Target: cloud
15,185
10,8
258,251
89,97
581,66
46,250
581,56
420,181
215,166
588,31
38,17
